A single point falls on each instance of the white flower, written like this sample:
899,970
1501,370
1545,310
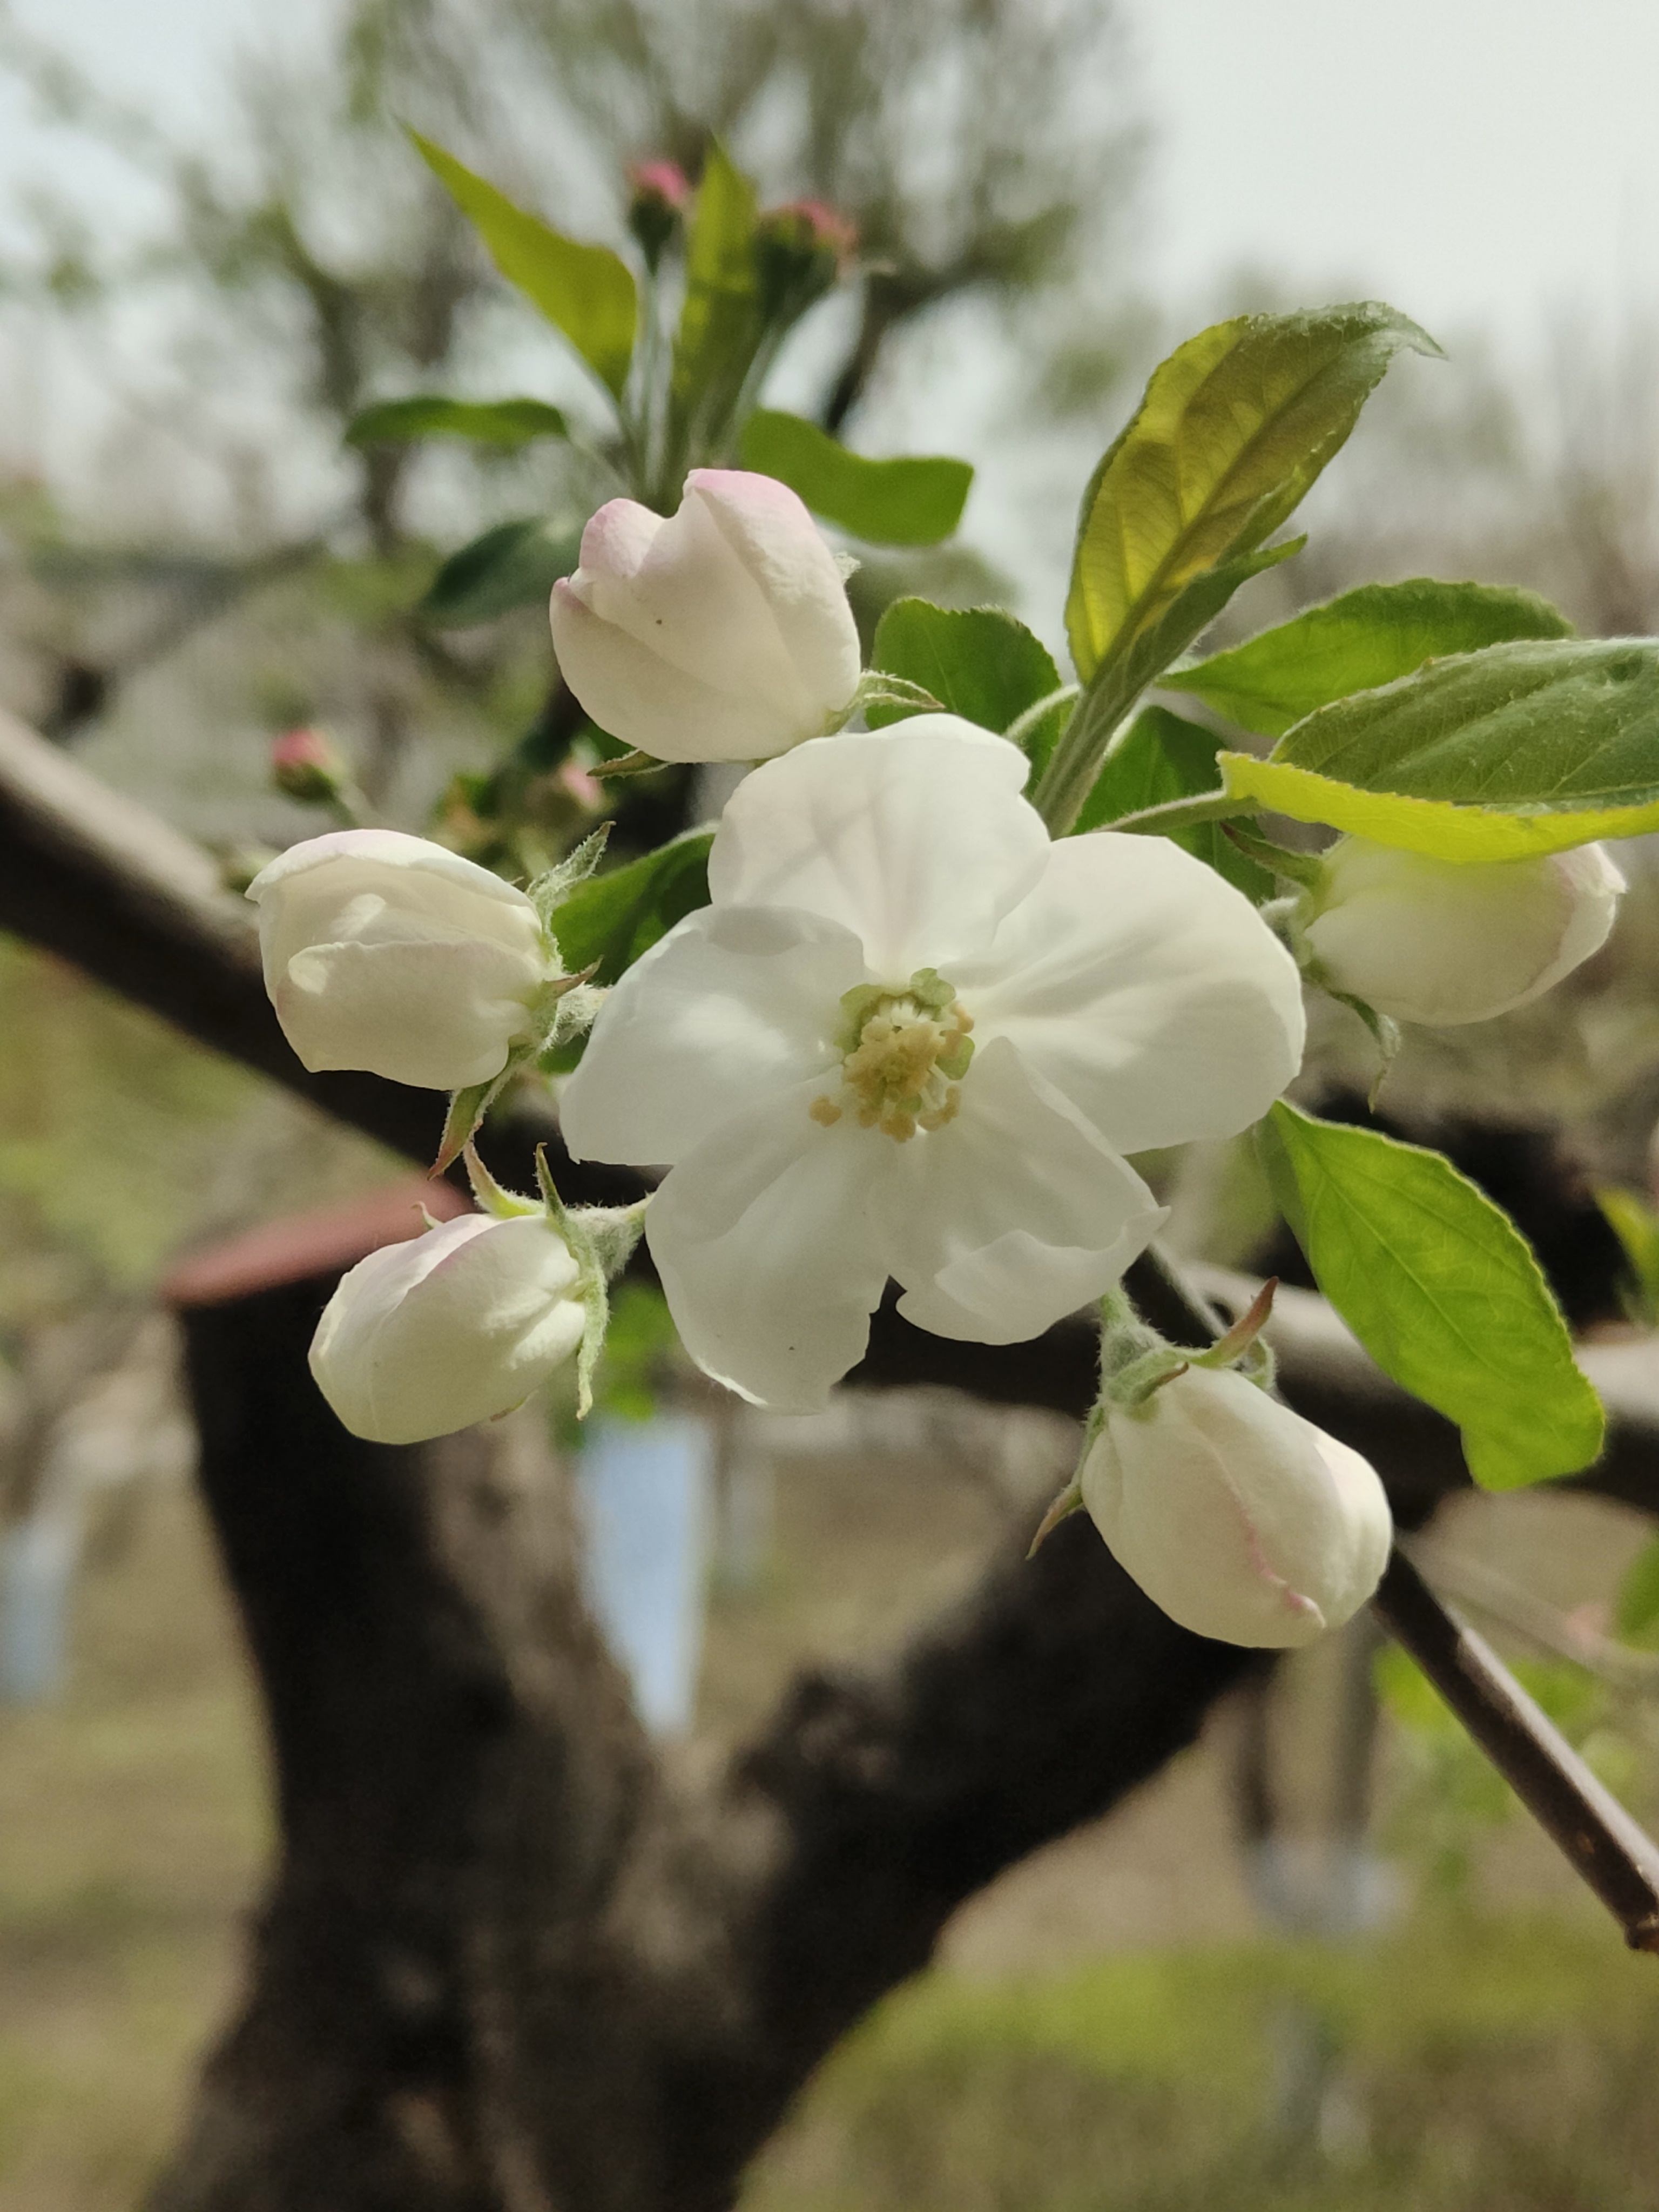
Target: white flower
1242,1520
887,908
723,635
387,952
451,1328
1441,942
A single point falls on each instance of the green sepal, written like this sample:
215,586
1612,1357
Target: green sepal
548,892
892,698
504,1205
1069,1501
601,1240
629,764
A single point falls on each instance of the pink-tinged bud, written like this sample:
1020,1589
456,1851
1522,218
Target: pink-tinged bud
1243,1521
582,785
1443,942
660,193
802,250
723,634
307,764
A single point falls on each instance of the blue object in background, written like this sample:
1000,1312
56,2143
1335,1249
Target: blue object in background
645,1487
37,1573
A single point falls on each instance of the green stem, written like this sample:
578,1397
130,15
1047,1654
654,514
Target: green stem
1183,814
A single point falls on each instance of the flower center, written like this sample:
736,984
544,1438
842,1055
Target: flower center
903,1054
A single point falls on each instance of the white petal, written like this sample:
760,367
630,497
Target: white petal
692,599
438,1016
734,1006
781,547
1014,1214
648,702
766,1240
916,839
1146,989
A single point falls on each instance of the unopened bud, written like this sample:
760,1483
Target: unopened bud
453,1327
722,634
802,250
660,193
1243,1521
1442,942
307,764
387,952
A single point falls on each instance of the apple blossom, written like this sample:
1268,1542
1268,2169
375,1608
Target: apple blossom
723,634
1441,942
1243,1521
387,952
911,1037
450,1328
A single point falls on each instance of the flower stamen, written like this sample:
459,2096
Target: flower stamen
904,1053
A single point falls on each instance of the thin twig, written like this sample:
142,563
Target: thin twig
1617,1858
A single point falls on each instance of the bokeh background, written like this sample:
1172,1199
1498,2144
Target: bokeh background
215,247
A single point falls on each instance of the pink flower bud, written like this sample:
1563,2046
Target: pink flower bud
307,764
723,634
660,195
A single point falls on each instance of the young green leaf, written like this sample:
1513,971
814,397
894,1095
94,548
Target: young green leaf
1232,430
721,321
914,500
1441,1290
586,291
612,919
486,422
1162,756
1357,642
1525,748
515,564
1636,1225
976,661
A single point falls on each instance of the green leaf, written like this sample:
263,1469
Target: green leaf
613,918
1636,1615
485,422
721,322
1161,756
1232,430
1636,1225
586,291
1526,748
915,500
1117,684
1441,1290
1362,639
976,661
513,565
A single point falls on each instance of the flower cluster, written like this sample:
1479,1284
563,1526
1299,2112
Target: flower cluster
911,1038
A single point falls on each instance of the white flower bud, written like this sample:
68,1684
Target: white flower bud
389,953
1242,1520
1442,942
450,1328
723,635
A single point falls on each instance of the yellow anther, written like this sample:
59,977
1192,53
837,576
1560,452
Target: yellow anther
904,1053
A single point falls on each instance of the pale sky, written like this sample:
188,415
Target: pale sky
1479,162
1489,163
